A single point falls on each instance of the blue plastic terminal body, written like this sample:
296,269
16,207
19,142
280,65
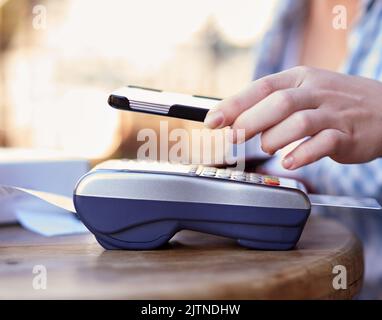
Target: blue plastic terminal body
147,224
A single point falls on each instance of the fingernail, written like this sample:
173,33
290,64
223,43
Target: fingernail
288,162
214,119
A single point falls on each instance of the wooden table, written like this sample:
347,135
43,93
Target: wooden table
193,265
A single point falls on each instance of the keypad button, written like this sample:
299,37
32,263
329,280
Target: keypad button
223,173
253,177
193,170
273,183
238,178
209,171
238,175
270,180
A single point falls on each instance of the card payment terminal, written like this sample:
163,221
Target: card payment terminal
140,205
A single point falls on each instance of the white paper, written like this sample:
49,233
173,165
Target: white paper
51,223
41,212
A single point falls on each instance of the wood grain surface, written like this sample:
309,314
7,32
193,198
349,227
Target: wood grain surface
191,266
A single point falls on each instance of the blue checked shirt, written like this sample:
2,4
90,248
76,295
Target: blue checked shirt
279,51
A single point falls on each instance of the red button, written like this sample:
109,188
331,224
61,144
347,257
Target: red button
273,181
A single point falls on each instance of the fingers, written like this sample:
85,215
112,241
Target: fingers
274,109
297,126
229,109
325,143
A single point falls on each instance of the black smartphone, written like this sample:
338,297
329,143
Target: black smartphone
176,105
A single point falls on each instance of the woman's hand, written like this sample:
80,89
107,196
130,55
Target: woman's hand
341,115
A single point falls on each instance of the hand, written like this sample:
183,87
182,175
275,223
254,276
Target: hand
341,115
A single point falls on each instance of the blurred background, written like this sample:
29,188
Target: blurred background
59,60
